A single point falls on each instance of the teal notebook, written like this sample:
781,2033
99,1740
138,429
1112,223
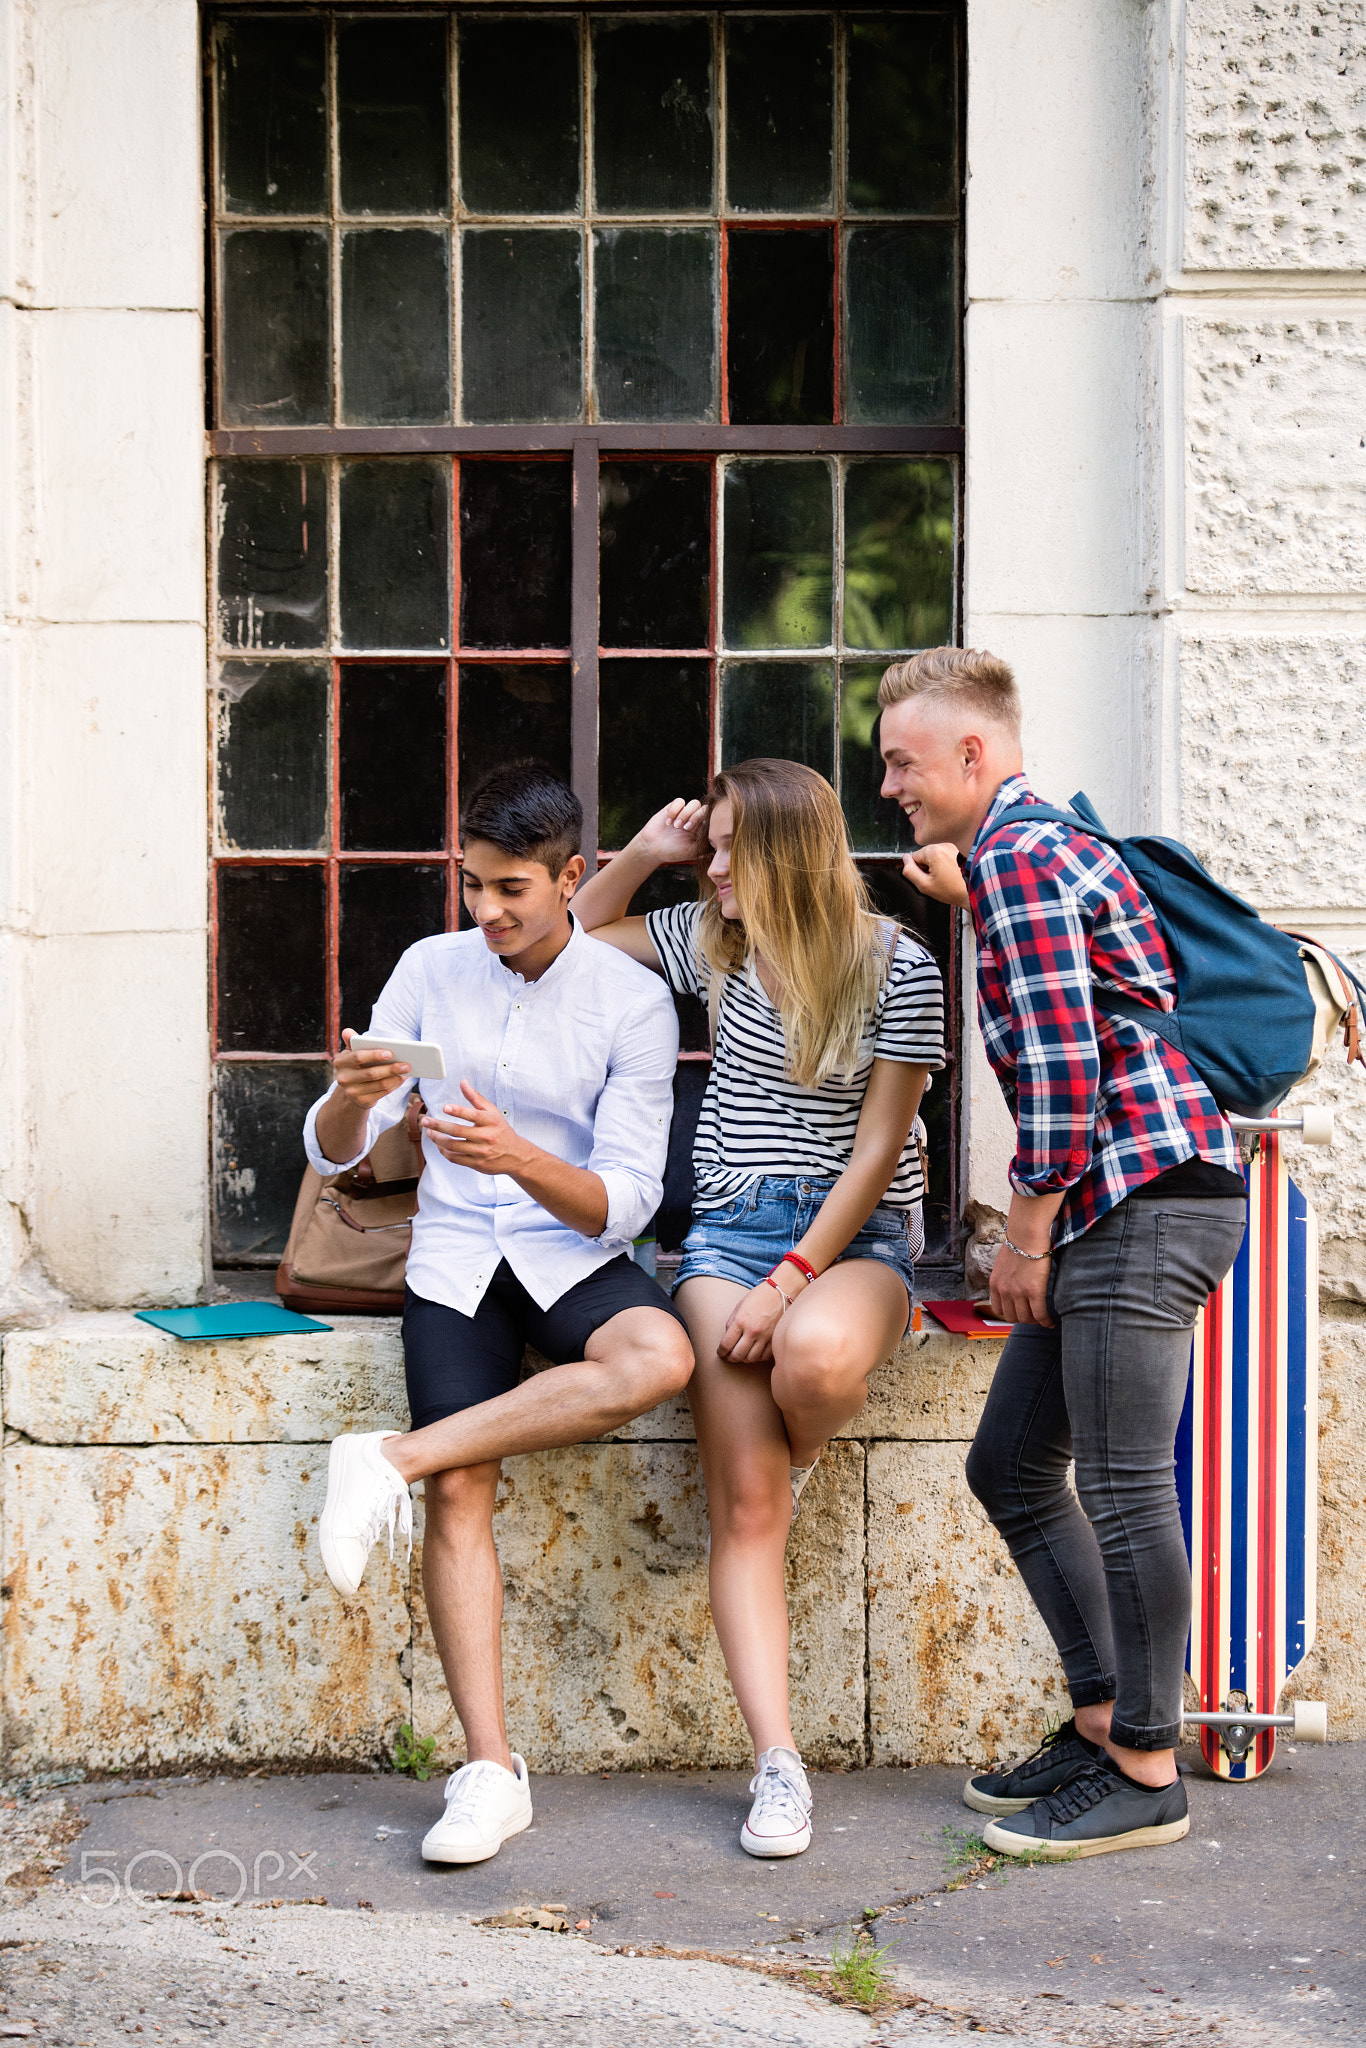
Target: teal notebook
230,1319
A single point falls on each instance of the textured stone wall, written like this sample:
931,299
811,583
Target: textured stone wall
1275,129
164,1599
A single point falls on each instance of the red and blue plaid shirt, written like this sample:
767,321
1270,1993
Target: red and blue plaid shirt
1100,1104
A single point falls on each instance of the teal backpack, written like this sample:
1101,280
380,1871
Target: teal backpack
1256,1007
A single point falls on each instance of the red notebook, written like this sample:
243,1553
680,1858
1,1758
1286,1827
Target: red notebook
964,1320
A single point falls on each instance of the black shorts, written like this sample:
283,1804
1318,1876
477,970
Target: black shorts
452,1361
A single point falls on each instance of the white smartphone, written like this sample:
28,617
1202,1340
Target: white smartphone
423,1056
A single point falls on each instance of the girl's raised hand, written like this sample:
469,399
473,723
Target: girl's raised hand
673,833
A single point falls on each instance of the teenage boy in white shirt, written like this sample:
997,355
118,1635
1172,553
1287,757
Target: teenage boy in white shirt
544,1151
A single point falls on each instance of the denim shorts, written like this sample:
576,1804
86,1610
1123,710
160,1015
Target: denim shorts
744,1239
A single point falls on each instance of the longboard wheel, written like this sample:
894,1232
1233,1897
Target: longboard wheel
1316,1128
1311,1721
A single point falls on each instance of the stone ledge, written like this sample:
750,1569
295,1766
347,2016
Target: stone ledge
107,1378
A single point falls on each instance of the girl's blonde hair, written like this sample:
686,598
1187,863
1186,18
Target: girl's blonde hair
803,905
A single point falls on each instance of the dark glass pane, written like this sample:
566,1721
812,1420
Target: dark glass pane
271,982
395,554
903,105
392,757
655,309
272,115
652,116
876,824
655,539
898,554
654,720
512,711
779,113
384,910
519,116
779,543
780,325
514,553
276,351
258,1153
778,708
900,325
521,324
272,756
272,554
396,327
391,116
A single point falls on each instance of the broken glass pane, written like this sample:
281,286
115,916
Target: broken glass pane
514,553
391,116
392,756
272,987
272,756
521,324
780,325
779,538
519,115
902,110
395,554
901,325
655,541
655,721
276,352
272,114
272,554
258,1153
385,908
779,113
652,116
898,554
655,311
396,327
876,824
778,708
512,711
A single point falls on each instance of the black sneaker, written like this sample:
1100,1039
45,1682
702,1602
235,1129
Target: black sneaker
1056,1761
1097,1811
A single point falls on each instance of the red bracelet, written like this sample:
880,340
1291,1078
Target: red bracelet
795,1259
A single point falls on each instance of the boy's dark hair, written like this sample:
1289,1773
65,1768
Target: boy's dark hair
527,812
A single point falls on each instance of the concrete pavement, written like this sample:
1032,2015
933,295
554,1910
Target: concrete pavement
1251,1930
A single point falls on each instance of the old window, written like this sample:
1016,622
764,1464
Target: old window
585,385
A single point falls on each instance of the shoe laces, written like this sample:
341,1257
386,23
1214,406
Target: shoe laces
1067,1733
396,1506
1087,1789
780,1789
465,1788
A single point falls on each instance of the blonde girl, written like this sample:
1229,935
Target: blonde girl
797,1273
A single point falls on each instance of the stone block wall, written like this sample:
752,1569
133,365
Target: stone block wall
164,1602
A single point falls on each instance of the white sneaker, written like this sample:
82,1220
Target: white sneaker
484,1805
364,1495
800,1475
779,1821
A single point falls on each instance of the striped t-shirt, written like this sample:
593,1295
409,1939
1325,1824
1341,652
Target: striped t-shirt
755,1121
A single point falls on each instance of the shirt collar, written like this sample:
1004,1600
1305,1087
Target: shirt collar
564,962
1014,790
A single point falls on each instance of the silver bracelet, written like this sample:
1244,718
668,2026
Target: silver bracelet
1027,1255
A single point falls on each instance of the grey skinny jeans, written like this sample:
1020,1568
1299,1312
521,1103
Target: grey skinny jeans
1107,1567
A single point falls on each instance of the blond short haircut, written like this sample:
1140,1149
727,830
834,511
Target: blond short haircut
961,679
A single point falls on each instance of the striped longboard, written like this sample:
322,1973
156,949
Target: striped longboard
1247,1465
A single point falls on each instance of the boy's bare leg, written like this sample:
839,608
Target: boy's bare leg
464,1591
636,1360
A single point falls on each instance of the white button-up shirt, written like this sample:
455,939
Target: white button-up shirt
580,1062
